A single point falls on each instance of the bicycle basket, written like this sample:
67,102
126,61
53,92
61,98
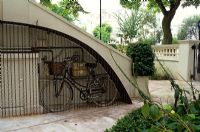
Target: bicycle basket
55,68
79,69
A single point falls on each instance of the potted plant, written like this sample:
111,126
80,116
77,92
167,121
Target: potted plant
143,60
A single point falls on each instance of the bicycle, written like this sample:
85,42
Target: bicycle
58,94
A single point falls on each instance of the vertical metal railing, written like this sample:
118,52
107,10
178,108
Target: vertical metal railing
35,63
196,62
198,59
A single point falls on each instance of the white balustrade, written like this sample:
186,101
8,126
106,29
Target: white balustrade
166,52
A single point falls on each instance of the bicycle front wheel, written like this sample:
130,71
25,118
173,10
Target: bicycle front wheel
108,93
51,100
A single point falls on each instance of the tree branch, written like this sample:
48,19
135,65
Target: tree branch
171,3
161,6
174,5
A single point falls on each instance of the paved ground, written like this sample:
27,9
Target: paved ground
161,90
86,120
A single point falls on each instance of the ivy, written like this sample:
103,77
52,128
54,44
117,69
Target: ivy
143,58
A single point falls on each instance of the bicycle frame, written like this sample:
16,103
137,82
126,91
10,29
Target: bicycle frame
81,88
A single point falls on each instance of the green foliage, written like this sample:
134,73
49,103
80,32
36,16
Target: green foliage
46,3
131,4
152,4
137,24
152,118
186,24
155,5
133,122
113,45
145,110
106,30
168,9
149,41
183,116
143,58
122,48
175,41
155,113
157,75
69,9
195,3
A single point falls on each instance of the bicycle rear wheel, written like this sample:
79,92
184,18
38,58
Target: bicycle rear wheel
107,95
53,103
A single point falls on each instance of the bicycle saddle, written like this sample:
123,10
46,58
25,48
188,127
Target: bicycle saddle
91,65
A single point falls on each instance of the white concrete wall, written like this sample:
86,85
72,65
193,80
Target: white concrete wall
179,63
168,55
30,12
172,66
16,10
187,59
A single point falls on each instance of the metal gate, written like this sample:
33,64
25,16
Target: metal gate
42,70
196,62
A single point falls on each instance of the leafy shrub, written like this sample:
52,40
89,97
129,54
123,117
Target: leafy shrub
105,31
183,116
159,76
143,58
175,41
152,118
122,48
149,41
133,121
119,47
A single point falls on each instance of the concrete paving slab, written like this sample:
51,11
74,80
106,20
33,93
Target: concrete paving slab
161,89
87,119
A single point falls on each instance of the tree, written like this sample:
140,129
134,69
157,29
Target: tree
188,28
137,24
69,9
168,9
106,31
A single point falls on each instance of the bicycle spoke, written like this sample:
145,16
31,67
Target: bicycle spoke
107,93
59,102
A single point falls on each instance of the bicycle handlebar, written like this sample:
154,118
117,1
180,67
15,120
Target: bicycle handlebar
72,58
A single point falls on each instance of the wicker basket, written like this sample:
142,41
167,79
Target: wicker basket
55,68
79,69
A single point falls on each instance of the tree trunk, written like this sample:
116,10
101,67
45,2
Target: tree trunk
166,26
168,16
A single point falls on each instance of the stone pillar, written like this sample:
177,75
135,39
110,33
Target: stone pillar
186,57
